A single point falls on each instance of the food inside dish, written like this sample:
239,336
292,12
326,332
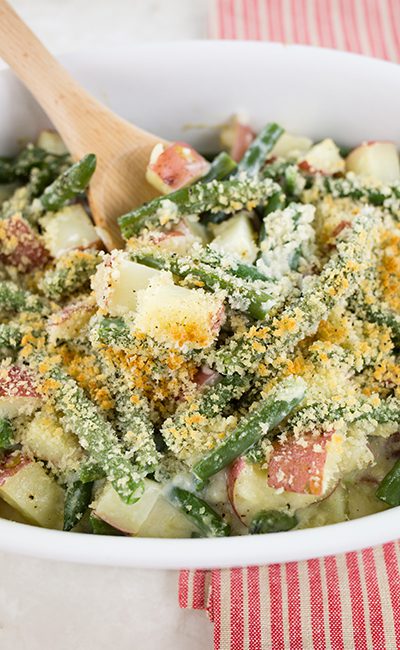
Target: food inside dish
234,370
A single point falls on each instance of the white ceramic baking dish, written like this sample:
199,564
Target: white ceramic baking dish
178,90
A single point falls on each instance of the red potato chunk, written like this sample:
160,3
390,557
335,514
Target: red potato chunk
236,137
244,136
68,323
376,160
20,246
11,464
249,492
176,166
300,465
206,376
18,392
323,158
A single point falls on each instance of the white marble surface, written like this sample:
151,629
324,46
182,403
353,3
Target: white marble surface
55,606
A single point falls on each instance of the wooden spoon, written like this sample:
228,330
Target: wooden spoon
86,126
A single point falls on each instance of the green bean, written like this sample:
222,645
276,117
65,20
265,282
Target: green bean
221,167
114,331
100,527
190,418
314,415
132,417
215,398
228,196
249,296
356,188
90,471
42,178
71,273
252,163
30,158
272,521
261,420
338,280
209,522
133,423
389,488
6,434
10,336
12,298
383,315
33,157
6,170
256,155
77,499
70,184
213,257
95,434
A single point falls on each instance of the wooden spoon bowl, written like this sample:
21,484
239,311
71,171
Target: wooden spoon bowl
86,126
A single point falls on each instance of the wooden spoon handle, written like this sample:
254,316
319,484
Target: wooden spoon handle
66,103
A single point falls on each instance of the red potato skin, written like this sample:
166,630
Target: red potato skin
70,310
340,227
178,165
11,464
180,230
336,232
306,167
20,246
242,139
299,467
17,382
206,377
218,320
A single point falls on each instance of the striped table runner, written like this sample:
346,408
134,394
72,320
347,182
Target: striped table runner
369,27
350,601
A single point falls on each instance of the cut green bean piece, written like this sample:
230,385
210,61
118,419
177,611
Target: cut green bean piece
71,273
220,168
7,174
33,157
14,299
247,295
383,315
354,187
70,184
77,499
209,522
338,280
216,397
389,488
114,331
229,196
272,521
100,527
256,155
10,336
6,434
90,472
134,424
261,420
214,257
210,403
95,434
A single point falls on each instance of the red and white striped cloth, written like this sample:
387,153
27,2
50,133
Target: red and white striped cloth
369,27
350,601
